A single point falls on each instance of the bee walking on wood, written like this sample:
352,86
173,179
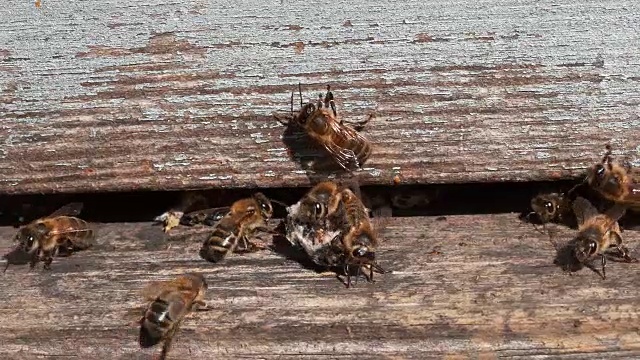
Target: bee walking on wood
598,235
614,181
171,301
320,122
244,220
60,233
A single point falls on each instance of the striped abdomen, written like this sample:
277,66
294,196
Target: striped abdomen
161,317
348,138
72,233
222,241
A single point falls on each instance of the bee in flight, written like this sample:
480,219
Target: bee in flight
320,122
244,220
60,233
170,301
598,235
615,181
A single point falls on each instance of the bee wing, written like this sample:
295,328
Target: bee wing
583,209
71,209
152,290
615,212
77,239
205,216
343,156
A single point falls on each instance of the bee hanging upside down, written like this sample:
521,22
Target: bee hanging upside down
60,233
345,144
171,301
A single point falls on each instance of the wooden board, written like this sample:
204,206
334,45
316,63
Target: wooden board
97,96
468,287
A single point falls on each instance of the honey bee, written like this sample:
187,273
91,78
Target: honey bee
308,223
552,207
60,233
244,220
319,203
614,181
331,224
345,144
598,234
359,240
170,301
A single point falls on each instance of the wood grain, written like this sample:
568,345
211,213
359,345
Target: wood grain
162,95
468,287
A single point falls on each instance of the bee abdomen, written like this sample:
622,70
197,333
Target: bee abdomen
219,244
363,152
156,323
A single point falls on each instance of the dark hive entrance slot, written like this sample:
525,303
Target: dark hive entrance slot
405,200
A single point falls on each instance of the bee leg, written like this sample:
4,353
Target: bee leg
328,101
348,275
604,264
277,117
35,258
168,342
359,125
244,243
47,259
623,252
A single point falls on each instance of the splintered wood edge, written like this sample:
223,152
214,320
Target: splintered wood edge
479,285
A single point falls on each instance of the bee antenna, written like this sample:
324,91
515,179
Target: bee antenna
377,267
607,155
292,93
300,92
278,202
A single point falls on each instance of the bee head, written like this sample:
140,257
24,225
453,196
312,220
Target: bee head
363,253
319,210
305,113
28,235
545,207
586,245
265,207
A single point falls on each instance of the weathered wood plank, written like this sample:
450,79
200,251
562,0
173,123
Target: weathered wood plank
466,287
175,95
